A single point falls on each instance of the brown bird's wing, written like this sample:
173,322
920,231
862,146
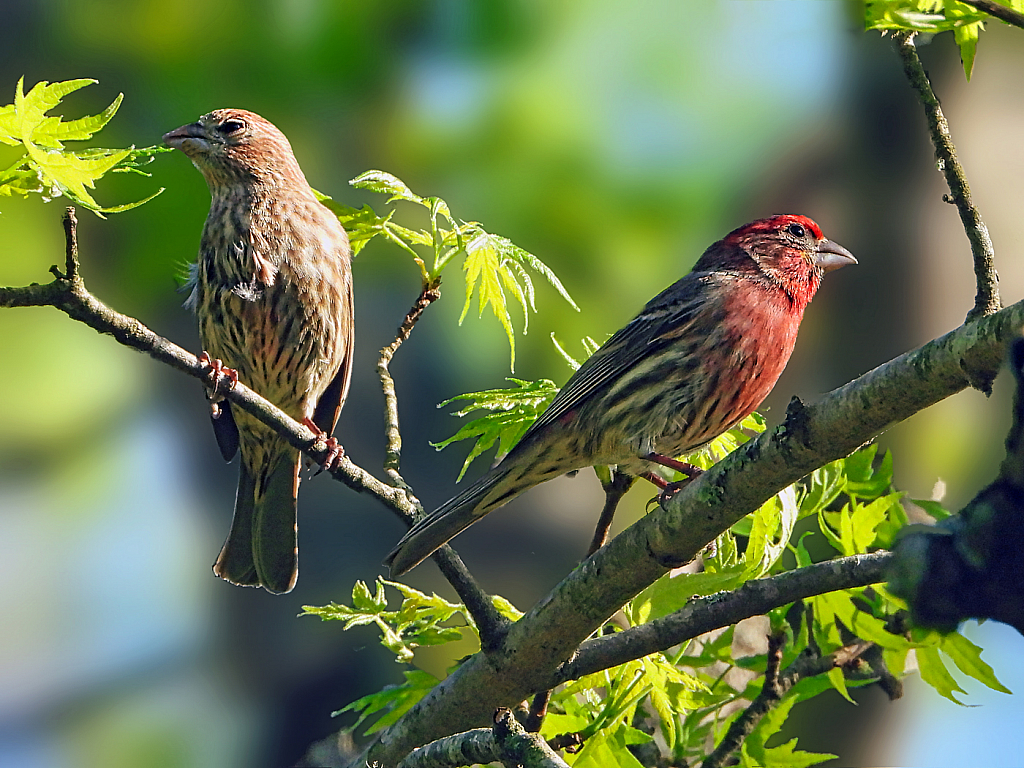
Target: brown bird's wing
665,317
329,406
226,432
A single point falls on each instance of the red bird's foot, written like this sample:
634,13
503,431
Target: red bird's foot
332,446
668,490
222,379
690,470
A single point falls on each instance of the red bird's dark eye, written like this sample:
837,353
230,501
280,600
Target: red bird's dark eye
230,126
796,230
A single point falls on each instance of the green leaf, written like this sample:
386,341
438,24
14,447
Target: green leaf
395,700
671,592
361,225
787,756
47,167
933,508
589,347
387,184
934,672
609,748
771,527
862,624
494,264
508,414
967,657
838,680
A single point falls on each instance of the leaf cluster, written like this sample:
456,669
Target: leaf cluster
46,166
930,17
493,265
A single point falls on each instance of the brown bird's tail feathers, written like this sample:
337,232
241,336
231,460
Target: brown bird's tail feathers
262,547
449,520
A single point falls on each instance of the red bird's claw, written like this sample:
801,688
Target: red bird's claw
668,491
218,375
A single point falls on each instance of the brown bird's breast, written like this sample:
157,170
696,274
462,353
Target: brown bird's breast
273,287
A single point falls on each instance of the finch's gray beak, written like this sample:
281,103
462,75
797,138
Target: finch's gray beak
831,256
190,139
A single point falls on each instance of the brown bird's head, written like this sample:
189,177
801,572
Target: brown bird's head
235,146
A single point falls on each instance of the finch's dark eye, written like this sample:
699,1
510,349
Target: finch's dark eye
230,126
795,230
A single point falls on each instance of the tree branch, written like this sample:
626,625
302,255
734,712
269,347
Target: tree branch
969,565
704,614
986,299
776,686
392,434
1000,12
507,741
811,436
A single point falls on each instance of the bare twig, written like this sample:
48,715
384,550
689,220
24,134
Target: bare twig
491,624
393,436
987,297
775,688
1000,12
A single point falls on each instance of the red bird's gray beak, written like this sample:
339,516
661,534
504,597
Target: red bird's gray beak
831,256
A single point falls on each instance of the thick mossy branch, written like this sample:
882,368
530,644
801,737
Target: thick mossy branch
986,300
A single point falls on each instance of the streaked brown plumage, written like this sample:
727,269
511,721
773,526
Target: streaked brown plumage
273,293
697,360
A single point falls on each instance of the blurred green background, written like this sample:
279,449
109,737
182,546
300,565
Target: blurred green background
613,139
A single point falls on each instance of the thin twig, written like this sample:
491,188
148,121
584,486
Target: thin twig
775,688
491,624
1000,12
986,299
392,433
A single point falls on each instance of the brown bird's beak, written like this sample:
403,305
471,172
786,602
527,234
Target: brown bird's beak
190,139
830,256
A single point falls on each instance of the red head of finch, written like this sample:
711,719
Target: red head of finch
272,290
698,359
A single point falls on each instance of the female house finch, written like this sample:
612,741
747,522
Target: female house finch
697,360
273,293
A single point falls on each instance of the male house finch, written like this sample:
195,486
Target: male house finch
697,360
273,293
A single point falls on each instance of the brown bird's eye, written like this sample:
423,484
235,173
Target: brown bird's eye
230,126
796,230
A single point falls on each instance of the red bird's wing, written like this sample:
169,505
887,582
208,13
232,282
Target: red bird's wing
665,318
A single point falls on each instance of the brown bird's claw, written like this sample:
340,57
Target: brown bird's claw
330,444
222,379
